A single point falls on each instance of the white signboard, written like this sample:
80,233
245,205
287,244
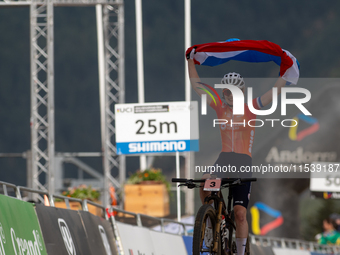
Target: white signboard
325,177
135,240
167,244
139,240
156,127
285,251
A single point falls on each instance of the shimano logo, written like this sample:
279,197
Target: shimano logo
157,146
65,233
105,240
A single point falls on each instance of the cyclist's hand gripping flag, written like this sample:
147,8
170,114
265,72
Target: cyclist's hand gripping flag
216,53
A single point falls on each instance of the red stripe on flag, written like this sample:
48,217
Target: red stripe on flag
260,45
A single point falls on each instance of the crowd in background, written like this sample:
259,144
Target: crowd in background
331,234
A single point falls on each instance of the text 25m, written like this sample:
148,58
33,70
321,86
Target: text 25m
153,126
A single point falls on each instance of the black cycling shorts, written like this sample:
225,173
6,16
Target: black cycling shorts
228,165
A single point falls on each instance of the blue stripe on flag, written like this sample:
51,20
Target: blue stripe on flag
247,56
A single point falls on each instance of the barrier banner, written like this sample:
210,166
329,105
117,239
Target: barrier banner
188,243
281,251
167,244
139,240
19,228
258,250
135,240
99,233
63,231
319,253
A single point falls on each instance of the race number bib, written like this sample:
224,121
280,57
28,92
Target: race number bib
212,184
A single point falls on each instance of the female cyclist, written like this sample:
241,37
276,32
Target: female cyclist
237,143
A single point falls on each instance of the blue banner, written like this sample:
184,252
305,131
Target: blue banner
188,243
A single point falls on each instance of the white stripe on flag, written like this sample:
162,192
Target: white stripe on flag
228,54
202,56
292,74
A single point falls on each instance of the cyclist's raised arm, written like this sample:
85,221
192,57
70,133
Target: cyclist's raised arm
194,79
267,97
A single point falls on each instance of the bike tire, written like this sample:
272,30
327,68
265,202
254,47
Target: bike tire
204,212
231,244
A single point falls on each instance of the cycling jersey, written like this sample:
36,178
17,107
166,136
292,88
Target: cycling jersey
237,142
237,136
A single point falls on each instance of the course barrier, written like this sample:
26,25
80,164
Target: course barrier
102,243
136,239
259,250
75,232
62,230
280,246
37,229
19,228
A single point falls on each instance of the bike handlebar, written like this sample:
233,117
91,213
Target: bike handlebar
248,179
179,180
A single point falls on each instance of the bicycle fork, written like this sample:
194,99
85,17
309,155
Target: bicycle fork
218,226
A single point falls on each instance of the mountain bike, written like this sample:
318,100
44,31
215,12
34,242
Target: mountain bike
221,217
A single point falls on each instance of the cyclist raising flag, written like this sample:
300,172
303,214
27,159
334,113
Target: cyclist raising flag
237,139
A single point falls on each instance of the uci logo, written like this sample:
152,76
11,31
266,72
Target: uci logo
65,233
125,110
105,240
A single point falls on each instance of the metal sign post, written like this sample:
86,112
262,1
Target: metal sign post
178,189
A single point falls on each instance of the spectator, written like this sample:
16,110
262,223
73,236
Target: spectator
336,218
330,235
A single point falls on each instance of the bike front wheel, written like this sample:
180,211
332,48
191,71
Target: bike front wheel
200,245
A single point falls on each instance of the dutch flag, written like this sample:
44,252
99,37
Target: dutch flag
216,53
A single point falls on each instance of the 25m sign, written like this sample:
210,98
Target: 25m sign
156,127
